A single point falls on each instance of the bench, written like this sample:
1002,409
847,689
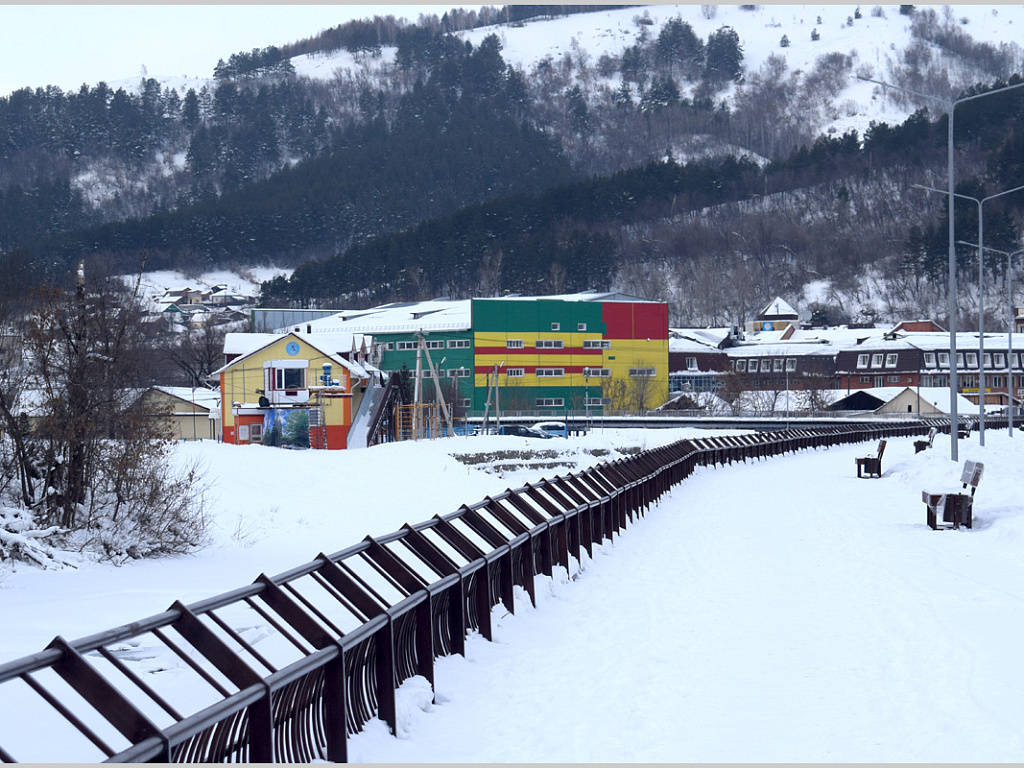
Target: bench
921,445
871,465
956,508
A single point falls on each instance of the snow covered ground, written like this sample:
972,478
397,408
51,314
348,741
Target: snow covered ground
779,611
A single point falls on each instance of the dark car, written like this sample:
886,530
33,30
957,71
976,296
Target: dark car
519,430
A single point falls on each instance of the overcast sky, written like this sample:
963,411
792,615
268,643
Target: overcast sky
67,45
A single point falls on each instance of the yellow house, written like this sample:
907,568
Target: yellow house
191,414
293,389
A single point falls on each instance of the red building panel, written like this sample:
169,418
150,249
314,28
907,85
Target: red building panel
635,321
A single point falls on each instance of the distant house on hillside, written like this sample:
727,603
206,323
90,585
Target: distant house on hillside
777,316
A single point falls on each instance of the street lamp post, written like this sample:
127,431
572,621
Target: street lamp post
1009,328
950,105
981,291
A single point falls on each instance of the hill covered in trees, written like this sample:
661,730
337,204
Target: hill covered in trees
669,166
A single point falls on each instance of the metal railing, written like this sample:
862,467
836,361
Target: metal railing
283,670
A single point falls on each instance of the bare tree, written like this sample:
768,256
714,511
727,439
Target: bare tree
103,459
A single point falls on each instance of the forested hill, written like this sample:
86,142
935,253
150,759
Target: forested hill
685,159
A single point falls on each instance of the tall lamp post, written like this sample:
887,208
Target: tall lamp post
950,105
1009,328
980,245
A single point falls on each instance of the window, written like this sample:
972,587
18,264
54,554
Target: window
972,359
405,345
389,346
929,359
550,344
550,372
603,373
986,360
691,363
741,366
752,366
581,326
596,344
458,373
766,365
289,378
790,364
556,326
944,359
515,344
458,343
515,373
599,401
876,361
434,344
997,381
643,373
550,402
865,379
892,379
1000,359
862,360
465,402
890,360
777,365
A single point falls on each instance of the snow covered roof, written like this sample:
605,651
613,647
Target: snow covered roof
205,398
434,315
332,345
777,308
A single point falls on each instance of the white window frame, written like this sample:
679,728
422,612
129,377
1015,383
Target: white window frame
599,373
944,359
581,327
790,364
777,364
458,343
550,344
929,359
434,344
550,402
515,344
766,365
598,401
986,360
406,346
740,366
255,433
972,359
691,363
999,360
892,379
596,344
550,373
643,373
891,359
458,373
876,360
556,326
862,360
515,373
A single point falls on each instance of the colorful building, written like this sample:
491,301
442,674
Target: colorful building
549,354
288,389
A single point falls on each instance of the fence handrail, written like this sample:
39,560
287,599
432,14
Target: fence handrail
360,621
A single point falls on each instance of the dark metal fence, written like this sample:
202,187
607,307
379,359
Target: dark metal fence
283,670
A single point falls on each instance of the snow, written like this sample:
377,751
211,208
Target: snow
777,611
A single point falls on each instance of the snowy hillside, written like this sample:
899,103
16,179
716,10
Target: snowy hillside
874,41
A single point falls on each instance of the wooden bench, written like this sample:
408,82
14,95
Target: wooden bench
956,508
871,465
922,445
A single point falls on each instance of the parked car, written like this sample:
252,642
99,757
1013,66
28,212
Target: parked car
553,428
519,430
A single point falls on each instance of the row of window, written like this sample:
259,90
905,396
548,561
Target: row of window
403,346
765,364
995,360
601,373
406,346
559,402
